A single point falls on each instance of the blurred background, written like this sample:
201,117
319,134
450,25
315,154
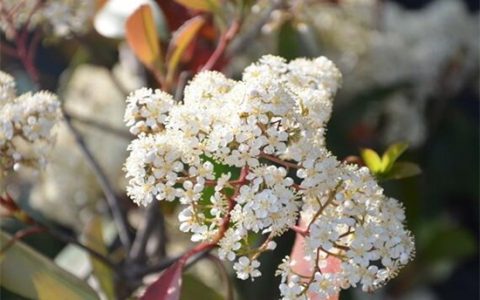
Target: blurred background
410,73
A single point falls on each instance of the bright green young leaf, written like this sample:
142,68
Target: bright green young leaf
193,288
94,239
32,275
202,5
401,170
372,160
392,154
180,41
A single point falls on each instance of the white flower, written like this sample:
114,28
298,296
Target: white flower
246,268
7,88
322,234
60,18
147,110
268,127
324,285
26,126
229,244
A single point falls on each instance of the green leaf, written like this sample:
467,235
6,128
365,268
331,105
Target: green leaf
180,41
202,5
220,169
401,170
372,160
94,239
32,275
194,288
288,41
442,243
392,154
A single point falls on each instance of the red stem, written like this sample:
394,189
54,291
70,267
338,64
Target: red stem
23,53
20,235
32,51
222,45
226,220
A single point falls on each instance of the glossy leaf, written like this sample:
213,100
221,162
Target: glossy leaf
141,35
180,41
202,5
372,160
167,286
49,287
392,154
402,170
440,242
29,274
94,239
194,288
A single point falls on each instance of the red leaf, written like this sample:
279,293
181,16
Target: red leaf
167,286
175,13
182,38
141,35
303,267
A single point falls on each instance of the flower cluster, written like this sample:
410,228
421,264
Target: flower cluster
25,125
60,18
356,224
246,157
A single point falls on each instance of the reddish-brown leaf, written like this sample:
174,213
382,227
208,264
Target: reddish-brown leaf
141,35
180,41
99,4
167,286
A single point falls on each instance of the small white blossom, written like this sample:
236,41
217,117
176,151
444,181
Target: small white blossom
61,18
247,268
26,124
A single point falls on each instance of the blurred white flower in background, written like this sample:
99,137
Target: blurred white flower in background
61,18
426,54
26,124
68,189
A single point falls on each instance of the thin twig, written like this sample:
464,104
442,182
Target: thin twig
222,45
279,161
100,125
331,197
32,51
164,264
41,228
224,272
152,212
246,39
112,201
69,239
182,82
121,88
20,235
